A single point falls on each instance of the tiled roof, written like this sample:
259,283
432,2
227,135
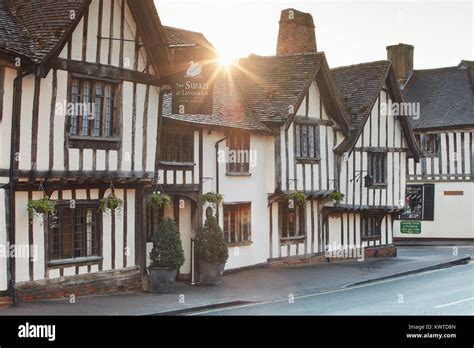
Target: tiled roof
228,106
177,36
446,97
34,28
466,64
358,87
273,84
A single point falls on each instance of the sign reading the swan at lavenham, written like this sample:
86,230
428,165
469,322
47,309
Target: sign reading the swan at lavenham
192,89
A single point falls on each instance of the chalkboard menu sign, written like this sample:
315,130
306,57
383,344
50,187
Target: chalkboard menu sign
413,203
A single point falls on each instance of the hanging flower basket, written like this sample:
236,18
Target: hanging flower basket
212,198
336,197
43,206
297,198
110,203
159,200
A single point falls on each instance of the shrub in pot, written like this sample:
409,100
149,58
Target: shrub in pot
336,197
212,252
110,204
166,256
159,200
43,206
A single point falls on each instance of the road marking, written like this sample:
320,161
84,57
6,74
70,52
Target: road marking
321,293
305,296
453,303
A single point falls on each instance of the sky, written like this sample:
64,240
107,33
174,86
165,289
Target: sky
349,32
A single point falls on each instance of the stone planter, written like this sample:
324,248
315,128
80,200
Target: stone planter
211,273
161,279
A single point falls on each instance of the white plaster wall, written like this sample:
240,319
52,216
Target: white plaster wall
243,189
453,215
3,241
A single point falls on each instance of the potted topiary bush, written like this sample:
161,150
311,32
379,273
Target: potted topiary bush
212,252
166,256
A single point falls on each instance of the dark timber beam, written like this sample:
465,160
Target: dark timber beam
106,72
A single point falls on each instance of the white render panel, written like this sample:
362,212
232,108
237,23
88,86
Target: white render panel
104,45
116,34
141,89
73,159
127,126
44,112
61,97
21,236
87,159
93,22
5,124
76,46
113,160
26,122
131,227
100,160
3,241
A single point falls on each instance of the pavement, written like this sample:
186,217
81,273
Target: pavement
257,285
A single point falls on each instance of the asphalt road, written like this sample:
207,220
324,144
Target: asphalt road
442,292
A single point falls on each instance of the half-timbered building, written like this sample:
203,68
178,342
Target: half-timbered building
440,196
299,126
314,131
81,84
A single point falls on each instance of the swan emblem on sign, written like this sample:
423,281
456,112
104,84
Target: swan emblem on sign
194,70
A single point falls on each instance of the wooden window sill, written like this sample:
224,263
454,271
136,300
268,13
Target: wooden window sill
370,238
89,142
239,244
378,186
238,174
75,261
303,160
291,239
176,164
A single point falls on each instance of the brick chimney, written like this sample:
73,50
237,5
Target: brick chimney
296,34
401,56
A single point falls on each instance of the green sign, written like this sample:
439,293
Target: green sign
410,227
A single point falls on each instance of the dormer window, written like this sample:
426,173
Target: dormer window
430,144
307,141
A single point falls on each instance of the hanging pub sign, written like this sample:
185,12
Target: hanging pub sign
192,84
413,203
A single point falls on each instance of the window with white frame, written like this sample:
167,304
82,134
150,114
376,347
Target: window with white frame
237,227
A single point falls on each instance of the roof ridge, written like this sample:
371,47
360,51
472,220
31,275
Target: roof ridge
440,68
361,64
253,55
181,29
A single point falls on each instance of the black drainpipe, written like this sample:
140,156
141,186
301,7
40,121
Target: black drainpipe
17,86
217,172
